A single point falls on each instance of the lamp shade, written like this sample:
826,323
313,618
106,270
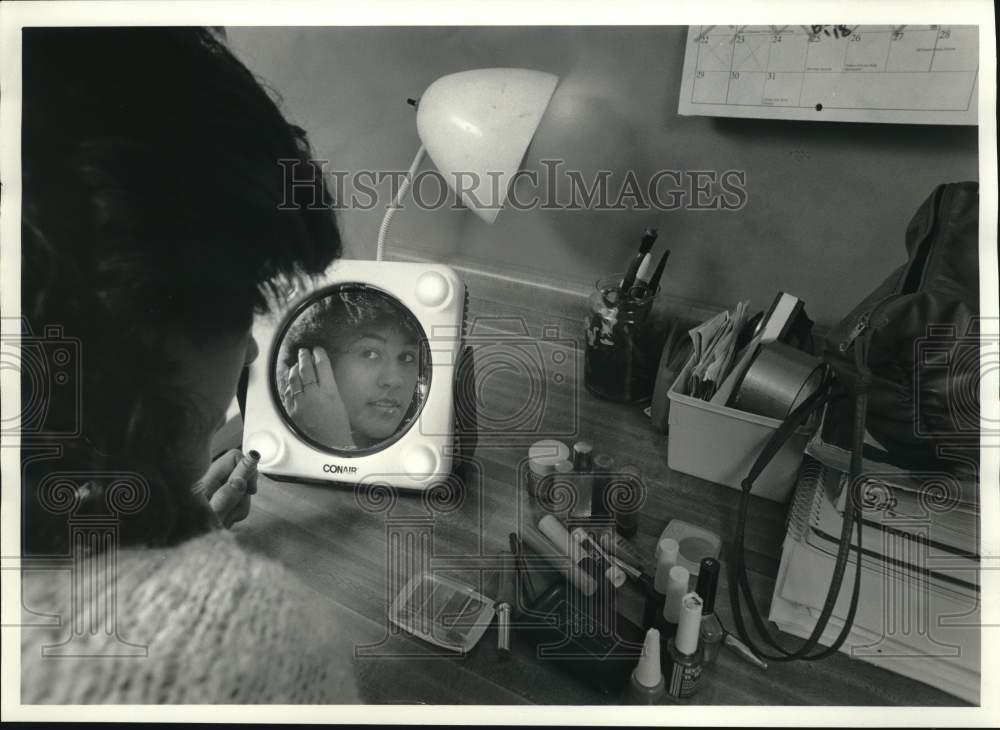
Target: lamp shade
476,126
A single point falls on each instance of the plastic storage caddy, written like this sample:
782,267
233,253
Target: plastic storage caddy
720,444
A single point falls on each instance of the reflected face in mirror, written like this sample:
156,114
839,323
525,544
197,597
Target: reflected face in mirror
352,371
377,377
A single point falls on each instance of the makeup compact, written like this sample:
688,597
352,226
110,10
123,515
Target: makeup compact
442,611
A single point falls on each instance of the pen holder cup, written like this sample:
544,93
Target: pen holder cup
622,353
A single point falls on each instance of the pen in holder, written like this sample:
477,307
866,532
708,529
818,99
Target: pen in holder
621,355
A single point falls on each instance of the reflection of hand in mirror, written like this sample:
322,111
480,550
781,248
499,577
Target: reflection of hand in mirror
313,400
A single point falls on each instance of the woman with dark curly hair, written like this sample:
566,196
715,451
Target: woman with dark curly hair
349,369
157,217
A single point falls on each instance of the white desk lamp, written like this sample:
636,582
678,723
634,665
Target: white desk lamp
476,126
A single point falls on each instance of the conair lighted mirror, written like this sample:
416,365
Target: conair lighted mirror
361,378
355,380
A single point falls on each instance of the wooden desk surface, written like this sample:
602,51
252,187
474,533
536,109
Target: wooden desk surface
336,539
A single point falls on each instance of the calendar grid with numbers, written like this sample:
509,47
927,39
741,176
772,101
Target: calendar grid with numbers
905,73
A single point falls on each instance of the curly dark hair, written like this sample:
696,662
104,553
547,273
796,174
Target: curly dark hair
154,202
334,319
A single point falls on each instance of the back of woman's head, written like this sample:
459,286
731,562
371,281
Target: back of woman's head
163,194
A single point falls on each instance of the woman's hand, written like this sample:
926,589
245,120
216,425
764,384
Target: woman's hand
313,401
227,495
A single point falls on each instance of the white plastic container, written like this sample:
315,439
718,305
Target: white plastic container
720,444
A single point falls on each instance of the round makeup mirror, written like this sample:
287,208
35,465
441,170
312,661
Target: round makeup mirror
351,369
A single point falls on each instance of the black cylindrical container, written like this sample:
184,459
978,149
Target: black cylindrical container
626,499
603,468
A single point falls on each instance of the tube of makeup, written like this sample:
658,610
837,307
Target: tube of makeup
247,466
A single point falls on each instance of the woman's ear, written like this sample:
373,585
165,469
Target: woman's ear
241,391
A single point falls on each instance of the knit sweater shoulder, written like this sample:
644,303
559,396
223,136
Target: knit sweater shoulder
201,622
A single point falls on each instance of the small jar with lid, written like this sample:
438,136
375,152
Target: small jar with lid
543,456
603,468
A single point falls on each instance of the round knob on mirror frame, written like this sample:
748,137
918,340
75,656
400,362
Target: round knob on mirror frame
269,446
421,462
433,289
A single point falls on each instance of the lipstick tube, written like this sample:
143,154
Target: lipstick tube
505,599
246,466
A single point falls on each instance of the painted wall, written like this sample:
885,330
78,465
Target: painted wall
826,206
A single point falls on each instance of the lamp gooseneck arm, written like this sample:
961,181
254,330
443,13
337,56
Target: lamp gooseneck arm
391,210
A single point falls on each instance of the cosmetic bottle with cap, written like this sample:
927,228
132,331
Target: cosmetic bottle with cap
646,685
555,492
711,632
583,478
670,546
684,652
677,588
627,504
666,558
558,490
603,467
583,457
542,457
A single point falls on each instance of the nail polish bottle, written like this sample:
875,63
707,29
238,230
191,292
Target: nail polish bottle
646,686
677,588
711,632
666,558
684,651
